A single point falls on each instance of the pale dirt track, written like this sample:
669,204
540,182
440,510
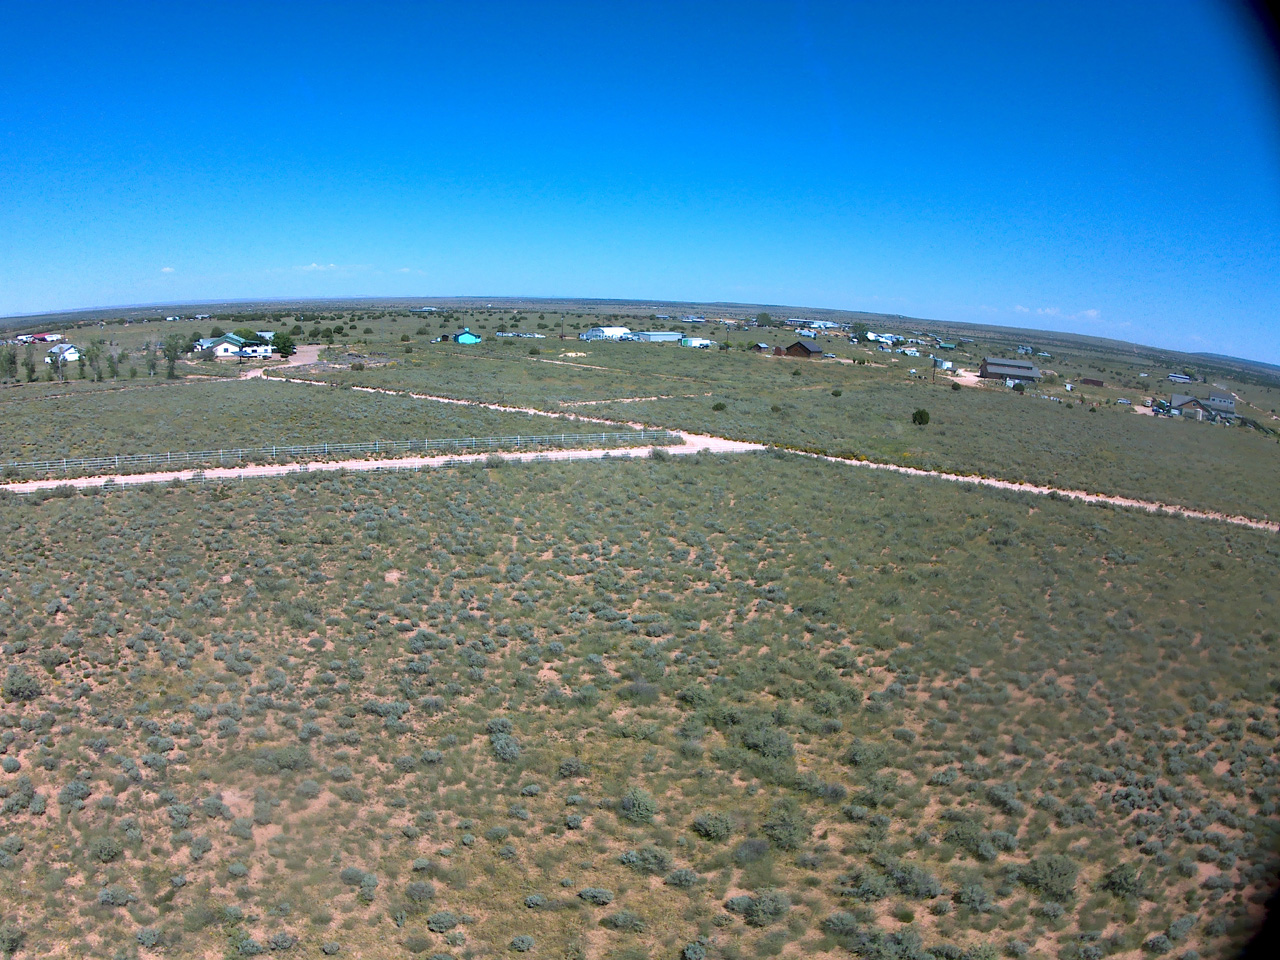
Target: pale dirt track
305,356
692,444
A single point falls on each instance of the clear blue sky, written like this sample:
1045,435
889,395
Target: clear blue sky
1111,168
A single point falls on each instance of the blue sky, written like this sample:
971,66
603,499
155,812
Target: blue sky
1110,168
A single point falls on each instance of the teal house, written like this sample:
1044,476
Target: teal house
466,336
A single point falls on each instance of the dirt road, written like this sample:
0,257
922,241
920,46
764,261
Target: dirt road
692,444
307,354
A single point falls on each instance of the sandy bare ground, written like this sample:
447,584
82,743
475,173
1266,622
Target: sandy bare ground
306,355
966,378
692,444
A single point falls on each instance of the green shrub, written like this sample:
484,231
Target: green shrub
767,908
647,860
920,418
596,895
105,849
785,825
624,921
682,879
637,805
442,921
713,826
1122,881
1053,877
20,685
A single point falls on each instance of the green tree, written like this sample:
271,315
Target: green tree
172,348
284,345
764,319
29,363
247,335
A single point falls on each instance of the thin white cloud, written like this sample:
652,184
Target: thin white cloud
1048,311
1090,314
1019,308
166,269
312,267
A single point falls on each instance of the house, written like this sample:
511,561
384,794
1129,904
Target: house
944,345
702,343
759,348
806,349
47,337
465,336
605,333
657,336
1182,405
1023,349
998,368
1223,403
1091,382
227,345
943,364
62,353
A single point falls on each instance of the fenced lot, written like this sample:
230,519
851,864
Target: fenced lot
180,415
277,453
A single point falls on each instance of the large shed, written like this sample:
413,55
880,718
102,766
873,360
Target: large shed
998,368
807,349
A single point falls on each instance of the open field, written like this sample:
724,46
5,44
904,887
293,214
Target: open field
707,707
595,706
987,430
169,415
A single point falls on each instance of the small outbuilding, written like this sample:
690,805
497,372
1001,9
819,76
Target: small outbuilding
465,336
806,349
657,336
759,348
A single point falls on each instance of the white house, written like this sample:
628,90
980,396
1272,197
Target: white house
227,345
605,333
657,336
62,353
